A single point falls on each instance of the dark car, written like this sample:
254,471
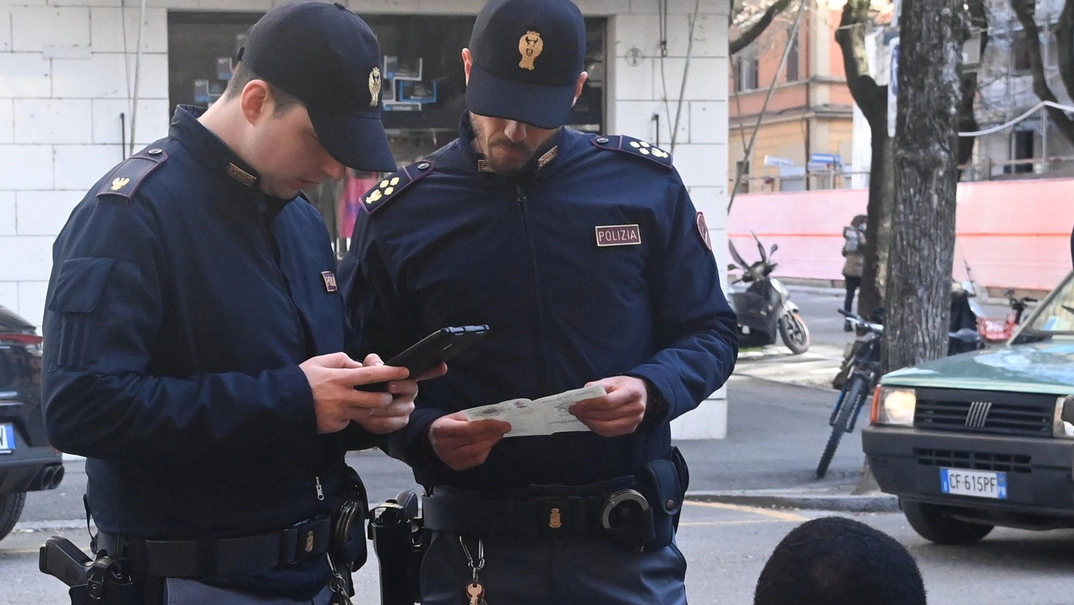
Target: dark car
985,438
27,461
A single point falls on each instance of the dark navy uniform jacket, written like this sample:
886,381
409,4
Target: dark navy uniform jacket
181,302
590,266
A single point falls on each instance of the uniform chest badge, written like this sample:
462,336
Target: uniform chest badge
618,235
329,281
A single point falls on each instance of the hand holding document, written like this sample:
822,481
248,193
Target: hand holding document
544,416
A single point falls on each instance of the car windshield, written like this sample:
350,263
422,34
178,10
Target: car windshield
1054,316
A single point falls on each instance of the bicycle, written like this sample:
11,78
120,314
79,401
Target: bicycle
863,374
860,382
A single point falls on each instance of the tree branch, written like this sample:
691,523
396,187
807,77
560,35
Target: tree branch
871,98
1064,39
1026,10
755,30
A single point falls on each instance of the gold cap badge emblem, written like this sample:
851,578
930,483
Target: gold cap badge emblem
530,45
119,183
374,87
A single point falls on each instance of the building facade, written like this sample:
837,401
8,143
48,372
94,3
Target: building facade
85,83
804,137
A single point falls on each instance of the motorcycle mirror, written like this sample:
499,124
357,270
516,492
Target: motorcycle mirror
735,255
773,249
760,248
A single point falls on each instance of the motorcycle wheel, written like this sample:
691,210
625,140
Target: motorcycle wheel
851,399
794,333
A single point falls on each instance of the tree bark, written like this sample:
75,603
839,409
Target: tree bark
755,30
926,176
1026,11
872,100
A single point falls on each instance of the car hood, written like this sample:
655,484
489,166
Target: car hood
1046,367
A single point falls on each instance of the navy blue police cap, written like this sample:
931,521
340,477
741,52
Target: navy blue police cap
527,56
328,58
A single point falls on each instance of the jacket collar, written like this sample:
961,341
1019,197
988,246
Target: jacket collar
542,159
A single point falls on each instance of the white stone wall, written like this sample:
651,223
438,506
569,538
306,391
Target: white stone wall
67,73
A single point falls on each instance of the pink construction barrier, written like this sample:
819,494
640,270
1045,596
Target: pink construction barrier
1012,234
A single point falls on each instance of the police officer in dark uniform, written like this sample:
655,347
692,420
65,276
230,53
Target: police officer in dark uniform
196,333
586,258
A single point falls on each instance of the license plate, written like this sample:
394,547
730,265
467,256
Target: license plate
7,438
981,484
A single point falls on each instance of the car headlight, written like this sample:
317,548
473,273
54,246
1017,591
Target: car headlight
895,406
1063,422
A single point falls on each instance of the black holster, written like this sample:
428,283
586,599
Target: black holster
103,580
664,483
398,540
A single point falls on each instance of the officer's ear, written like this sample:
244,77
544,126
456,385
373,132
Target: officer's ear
582,77
255,101
467,63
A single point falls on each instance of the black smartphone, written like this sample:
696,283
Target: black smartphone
428,352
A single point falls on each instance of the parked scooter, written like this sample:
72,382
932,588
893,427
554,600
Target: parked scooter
764,308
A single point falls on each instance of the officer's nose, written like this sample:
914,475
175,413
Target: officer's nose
516,131
334,169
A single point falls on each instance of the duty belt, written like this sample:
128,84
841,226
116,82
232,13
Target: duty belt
556,515
224,556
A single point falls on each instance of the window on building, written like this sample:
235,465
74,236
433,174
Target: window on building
793,60
746,73
1023,147
1019,52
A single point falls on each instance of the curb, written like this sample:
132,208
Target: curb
865,503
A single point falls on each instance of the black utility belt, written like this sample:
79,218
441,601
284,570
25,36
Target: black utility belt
225,556
621,515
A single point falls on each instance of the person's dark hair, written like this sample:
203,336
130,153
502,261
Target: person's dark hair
243,75
859,220
839,561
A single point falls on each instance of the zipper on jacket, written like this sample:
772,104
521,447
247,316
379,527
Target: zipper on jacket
520,197
320,490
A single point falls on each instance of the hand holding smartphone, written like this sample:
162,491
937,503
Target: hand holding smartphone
432,350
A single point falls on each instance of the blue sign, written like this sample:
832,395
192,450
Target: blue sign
825,158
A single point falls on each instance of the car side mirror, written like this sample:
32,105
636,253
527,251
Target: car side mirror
1067,413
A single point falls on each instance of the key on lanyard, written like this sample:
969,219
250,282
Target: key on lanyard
475,590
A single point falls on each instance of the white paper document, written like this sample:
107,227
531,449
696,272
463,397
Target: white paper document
542,416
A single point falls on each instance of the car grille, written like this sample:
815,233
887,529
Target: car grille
982,461
1015,414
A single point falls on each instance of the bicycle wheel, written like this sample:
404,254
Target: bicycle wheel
852,402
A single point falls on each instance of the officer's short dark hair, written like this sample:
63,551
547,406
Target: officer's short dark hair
243,75
839,561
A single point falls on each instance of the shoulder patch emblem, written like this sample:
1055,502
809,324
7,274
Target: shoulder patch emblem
632,146
125,178
392,185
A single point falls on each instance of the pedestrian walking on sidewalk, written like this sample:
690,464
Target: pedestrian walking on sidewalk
854,265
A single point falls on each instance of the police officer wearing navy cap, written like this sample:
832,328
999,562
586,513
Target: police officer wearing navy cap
196,336
591,266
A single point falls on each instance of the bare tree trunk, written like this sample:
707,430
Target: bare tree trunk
758,28
926,177
872,100
1026,11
